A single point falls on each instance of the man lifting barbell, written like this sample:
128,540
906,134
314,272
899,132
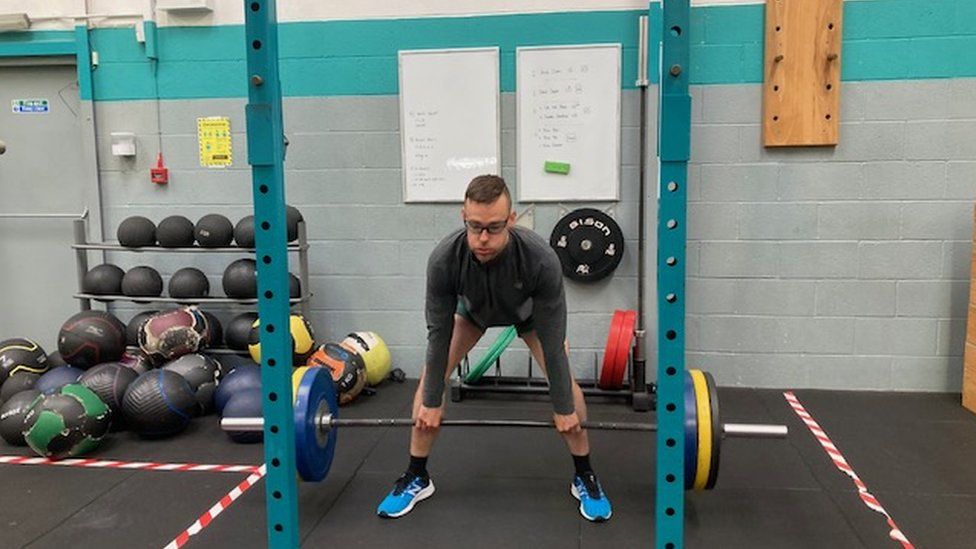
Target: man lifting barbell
493,273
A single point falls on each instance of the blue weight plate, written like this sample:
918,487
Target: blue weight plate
313,450
691,433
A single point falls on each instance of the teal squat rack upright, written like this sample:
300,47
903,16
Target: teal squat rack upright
674,147
265,153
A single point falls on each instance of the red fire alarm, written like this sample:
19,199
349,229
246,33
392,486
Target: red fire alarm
159,174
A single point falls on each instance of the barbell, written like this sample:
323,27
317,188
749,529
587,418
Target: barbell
317,423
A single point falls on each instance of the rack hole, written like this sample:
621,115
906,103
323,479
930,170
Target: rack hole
671,371
830,86
671,334
775,119
263,189
672,186
279,528
827,117
274,429
268,294
256,44
272,362
671,261
672,223
669,477
273,397
671,407
775,88
669,511
675,31
266,259
275,462
269,328
255,6
670,442
671,298
265,225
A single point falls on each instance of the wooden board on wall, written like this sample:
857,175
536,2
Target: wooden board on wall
801,88
969,354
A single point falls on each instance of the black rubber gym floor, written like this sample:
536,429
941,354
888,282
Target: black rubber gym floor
510,488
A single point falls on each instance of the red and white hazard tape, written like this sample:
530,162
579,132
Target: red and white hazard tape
869,500
112,464
206,518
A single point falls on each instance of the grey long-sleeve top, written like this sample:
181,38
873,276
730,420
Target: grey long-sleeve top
525,280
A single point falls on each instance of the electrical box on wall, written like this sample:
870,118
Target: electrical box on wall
801,88
123,144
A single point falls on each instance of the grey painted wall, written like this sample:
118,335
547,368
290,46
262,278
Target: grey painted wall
842,267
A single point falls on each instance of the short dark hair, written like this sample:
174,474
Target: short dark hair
485,189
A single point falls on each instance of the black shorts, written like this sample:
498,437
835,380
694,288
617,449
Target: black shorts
526,325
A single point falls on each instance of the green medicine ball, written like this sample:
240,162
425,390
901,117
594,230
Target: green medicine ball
68,423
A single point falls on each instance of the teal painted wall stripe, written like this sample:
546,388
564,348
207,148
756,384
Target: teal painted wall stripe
883,40
36,43
83,62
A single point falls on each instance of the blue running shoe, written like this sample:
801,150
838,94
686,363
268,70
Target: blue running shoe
407,491
594,504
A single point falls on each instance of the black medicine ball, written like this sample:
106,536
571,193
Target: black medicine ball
241,279
214,231
12,415
21,355
22,381
189,282
244,232
215,331
91,337
105,279
175,231
109,381
142,281
292,217
159,403
200,371
136,231
238,330
134,325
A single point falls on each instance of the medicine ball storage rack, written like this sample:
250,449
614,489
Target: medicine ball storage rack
82,247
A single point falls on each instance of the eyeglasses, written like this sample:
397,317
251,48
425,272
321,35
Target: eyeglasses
492,228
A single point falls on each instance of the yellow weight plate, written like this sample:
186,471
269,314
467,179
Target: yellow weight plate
704,428
296,378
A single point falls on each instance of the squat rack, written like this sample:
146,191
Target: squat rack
265,140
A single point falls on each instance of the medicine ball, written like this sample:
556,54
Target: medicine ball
12,415
172,333
241,279
104,279
134,325
142,281
175,231
214,231
245,403
294,286
200,372
215,332
375,353
159,403
244,232
245,376
189,282
54,359
302,340
348,369
109,381
55,378
21,355
91,337
138,362
227,362
23,381
136,231
68,423
239,330
292,217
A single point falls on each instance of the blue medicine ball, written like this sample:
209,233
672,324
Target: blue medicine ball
244,403
245,376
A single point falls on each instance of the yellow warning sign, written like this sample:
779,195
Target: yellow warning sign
213,135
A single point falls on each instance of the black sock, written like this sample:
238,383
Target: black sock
582,464
418,466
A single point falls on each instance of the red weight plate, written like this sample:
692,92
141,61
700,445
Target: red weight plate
607,371
624,343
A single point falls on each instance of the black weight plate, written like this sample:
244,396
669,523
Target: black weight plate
716,431
589,244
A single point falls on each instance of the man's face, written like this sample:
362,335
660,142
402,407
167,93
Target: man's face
488,226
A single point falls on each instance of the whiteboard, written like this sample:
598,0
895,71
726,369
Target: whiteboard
568,105
449,121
